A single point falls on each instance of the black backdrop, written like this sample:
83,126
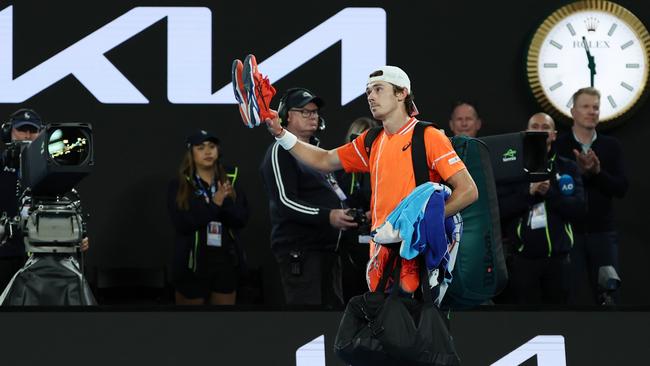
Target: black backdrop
450,49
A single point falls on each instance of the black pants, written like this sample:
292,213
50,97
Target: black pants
540,280
319,280
354,260
589,253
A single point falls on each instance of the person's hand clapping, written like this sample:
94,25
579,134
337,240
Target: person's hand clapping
586,161
223,190
595,166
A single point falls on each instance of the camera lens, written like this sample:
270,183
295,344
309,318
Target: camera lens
68,146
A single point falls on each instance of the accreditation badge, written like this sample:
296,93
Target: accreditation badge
538,216
214,234
364,239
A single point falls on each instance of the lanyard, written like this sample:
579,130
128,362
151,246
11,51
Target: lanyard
333,184
203,191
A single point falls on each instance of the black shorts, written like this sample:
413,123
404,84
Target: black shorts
222,277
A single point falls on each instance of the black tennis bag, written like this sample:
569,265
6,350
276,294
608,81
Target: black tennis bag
381,330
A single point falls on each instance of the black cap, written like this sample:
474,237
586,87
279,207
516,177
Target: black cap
24,117
300,97
199,137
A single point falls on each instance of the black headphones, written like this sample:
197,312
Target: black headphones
5,129
283,110
5,132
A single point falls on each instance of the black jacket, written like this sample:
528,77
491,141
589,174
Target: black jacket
191,249
300,201
600,189
515,204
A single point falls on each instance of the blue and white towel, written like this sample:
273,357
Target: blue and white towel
419,223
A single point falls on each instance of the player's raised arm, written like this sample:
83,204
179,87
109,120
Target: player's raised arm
320,159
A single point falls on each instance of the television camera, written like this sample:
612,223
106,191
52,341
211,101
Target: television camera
50,219
48,169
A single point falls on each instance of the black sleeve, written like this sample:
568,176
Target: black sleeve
514,200
281,176
569,207
612,180
235,213
199,214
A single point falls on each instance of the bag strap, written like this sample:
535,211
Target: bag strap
396,275
371,136
392,257
424,281
419,153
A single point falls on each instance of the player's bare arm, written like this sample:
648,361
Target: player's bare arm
464,192
320,159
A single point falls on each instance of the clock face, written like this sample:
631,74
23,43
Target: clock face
594,43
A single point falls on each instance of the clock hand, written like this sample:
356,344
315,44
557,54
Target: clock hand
591,63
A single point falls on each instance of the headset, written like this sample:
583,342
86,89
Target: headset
283,110
5,129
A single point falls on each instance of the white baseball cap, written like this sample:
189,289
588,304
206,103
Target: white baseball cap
395,76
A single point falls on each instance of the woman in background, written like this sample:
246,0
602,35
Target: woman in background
206,211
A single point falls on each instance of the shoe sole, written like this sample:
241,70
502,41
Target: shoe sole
239,91
250,67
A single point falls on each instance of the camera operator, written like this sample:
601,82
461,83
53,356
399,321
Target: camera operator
354,246
24,125
306,213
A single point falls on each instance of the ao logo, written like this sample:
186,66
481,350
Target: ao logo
549,350
567,184
567,187
361,31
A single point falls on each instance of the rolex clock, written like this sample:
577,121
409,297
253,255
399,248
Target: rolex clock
589,43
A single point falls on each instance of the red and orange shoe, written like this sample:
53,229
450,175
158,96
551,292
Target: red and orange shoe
240,92
409,273
259,92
